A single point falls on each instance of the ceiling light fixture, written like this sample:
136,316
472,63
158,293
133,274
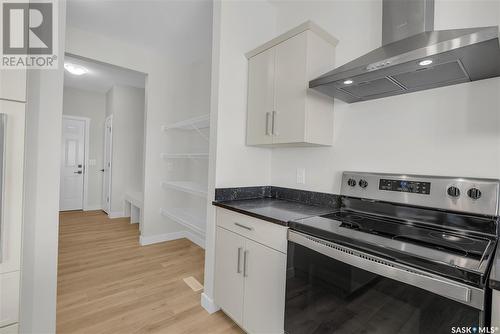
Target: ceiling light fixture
348,82
425,62
75,69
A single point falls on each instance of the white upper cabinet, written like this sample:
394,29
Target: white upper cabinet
282,110
13,85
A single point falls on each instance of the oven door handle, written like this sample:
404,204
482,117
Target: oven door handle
393,270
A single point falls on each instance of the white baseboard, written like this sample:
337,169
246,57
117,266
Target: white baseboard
154,239
172,236
116,214
92,208
194,238
208,304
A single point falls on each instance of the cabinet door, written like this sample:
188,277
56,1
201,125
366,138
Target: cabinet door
229,279
260,98
265,277
9,298
291,87
13,85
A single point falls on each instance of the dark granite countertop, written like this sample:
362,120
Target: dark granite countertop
274,210
495,270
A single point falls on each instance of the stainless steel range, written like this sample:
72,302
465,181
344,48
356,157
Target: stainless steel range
403,254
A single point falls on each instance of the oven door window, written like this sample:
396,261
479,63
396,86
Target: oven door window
324,295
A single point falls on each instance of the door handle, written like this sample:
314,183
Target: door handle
267,123
78,172
238,270
245,261
102,170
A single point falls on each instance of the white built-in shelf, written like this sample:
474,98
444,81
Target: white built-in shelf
185,218
184,156
195,123
187,187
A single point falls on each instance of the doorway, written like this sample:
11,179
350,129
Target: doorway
74,152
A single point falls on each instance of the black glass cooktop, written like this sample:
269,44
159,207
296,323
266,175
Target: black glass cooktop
455,254
398,229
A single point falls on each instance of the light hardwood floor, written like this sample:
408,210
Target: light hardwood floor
108,283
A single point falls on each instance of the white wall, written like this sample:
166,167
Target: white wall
126,104
452,130
41,191
84,103
238,27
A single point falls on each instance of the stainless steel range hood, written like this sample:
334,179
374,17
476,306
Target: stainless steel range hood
414,57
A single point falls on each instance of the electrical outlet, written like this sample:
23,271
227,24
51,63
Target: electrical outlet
170,167
301,176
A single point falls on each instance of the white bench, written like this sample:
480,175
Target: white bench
133,207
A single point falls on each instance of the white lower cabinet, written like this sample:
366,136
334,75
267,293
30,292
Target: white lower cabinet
249,275
9,298
229,282
264,298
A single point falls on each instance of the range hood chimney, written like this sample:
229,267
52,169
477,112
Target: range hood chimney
414,57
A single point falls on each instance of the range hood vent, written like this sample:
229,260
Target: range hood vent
415,57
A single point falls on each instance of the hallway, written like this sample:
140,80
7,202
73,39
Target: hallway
108,283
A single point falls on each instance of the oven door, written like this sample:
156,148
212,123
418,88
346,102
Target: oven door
335,289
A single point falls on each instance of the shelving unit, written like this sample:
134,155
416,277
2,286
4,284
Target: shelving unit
189,187
200,122
167,156
185,186
185,218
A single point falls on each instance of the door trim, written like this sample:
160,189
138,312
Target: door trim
86,144
110,118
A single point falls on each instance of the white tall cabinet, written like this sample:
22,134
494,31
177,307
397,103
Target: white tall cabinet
12,106
250,271
282,110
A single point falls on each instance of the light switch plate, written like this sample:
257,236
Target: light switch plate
301,176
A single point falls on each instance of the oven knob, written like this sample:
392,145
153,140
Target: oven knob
474,193
363,183
351,182
453,191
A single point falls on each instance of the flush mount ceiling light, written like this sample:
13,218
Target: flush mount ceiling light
75,69
348,82
425,62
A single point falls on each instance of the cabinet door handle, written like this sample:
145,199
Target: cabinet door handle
267,123
245,256
243,226
238,270
273,123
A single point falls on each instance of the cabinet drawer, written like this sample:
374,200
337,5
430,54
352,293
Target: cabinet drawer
9,298
269,234
12,329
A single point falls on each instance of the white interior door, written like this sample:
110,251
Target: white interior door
72,164
108,154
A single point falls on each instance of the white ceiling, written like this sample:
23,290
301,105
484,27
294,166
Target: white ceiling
183,28
101,77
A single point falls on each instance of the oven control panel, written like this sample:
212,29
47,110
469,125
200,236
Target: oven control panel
471,195
405,186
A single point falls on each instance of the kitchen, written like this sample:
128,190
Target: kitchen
352,154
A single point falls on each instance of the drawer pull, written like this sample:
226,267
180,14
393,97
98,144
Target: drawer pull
243,226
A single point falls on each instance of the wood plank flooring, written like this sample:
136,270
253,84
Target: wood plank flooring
108,283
